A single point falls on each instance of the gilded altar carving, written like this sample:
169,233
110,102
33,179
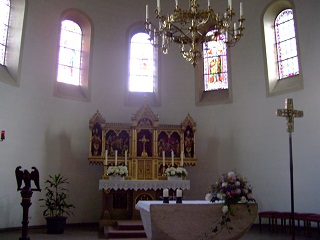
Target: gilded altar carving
144,140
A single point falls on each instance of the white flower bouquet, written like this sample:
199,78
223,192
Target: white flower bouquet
179,171
117,170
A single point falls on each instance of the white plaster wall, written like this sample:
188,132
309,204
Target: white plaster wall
52,133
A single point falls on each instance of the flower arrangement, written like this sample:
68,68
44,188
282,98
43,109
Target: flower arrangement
179,171
230,189
117,170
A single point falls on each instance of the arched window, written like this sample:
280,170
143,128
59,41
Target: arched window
213,83
73,78
281,49
70,53
286,44
143,58
4,25
142,64
215,67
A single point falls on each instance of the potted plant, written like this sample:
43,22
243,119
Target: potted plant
56,206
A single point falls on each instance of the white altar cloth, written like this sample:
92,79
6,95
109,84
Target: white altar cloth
143,184
192,219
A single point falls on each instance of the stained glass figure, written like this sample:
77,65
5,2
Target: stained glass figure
286,44
4,23
69,66
142,64
215,67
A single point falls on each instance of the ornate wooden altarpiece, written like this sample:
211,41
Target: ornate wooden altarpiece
144,139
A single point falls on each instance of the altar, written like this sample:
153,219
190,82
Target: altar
192,219
146,149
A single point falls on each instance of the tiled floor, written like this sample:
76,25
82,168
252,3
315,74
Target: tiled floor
91,232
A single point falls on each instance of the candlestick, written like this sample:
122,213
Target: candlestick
172,158
106,159
125,157
116,158
181,163
165,192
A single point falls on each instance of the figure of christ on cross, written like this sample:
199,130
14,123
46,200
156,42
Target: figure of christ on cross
144,140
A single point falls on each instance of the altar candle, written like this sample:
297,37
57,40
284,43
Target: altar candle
230,4
172,158
163,159
116,158
106,160
165,193
147,13
125,157
179,193
181,159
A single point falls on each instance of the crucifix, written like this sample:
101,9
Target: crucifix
289,113
144,141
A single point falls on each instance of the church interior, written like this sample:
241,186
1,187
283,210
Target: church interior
47,126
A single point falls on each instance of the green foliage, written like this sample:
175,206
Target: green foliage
55,202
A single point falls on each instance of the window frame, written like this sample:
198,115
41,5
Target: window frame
138,98
83,91
11,71
275,85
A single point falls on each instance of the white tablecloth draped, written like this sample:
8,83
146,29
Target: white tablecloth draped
143,184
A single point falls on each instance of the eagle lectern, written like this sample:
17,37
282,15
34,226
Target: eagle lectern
26,194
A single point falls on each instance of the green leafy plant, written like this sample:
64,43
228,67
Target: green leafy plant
55,202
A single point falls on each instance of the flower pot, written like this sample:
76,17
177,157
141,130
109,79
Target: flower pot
56,225
174,178
116,177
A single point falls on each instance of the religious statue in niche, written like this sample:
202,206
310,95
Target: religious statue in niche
144,144
119,142
188,142
167,144
96,146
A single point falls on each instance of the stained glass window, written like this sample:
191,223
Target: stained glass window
4,24
286,44
69,66
142,64
215,67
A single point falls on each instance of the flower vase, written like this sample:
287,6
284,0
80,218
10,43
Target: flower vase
174,178
116,177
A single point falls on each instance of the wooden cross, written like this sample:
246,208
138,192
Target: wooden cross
289,113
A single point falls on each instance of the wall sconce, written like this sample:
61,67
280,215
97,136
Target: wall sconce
3,135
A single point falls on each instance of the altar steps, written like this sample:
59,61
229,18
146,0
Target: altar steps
125,229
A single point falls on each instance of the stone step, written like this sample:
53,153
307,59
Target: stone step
125,229
129,225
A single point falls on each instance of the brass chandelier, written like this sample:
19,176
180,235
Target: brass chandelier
189,28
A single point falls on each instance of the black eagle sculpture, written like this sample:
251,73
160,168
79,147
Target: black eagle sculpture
27,177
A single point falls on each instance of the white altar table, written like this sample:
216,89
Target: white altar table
143,184
192,219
